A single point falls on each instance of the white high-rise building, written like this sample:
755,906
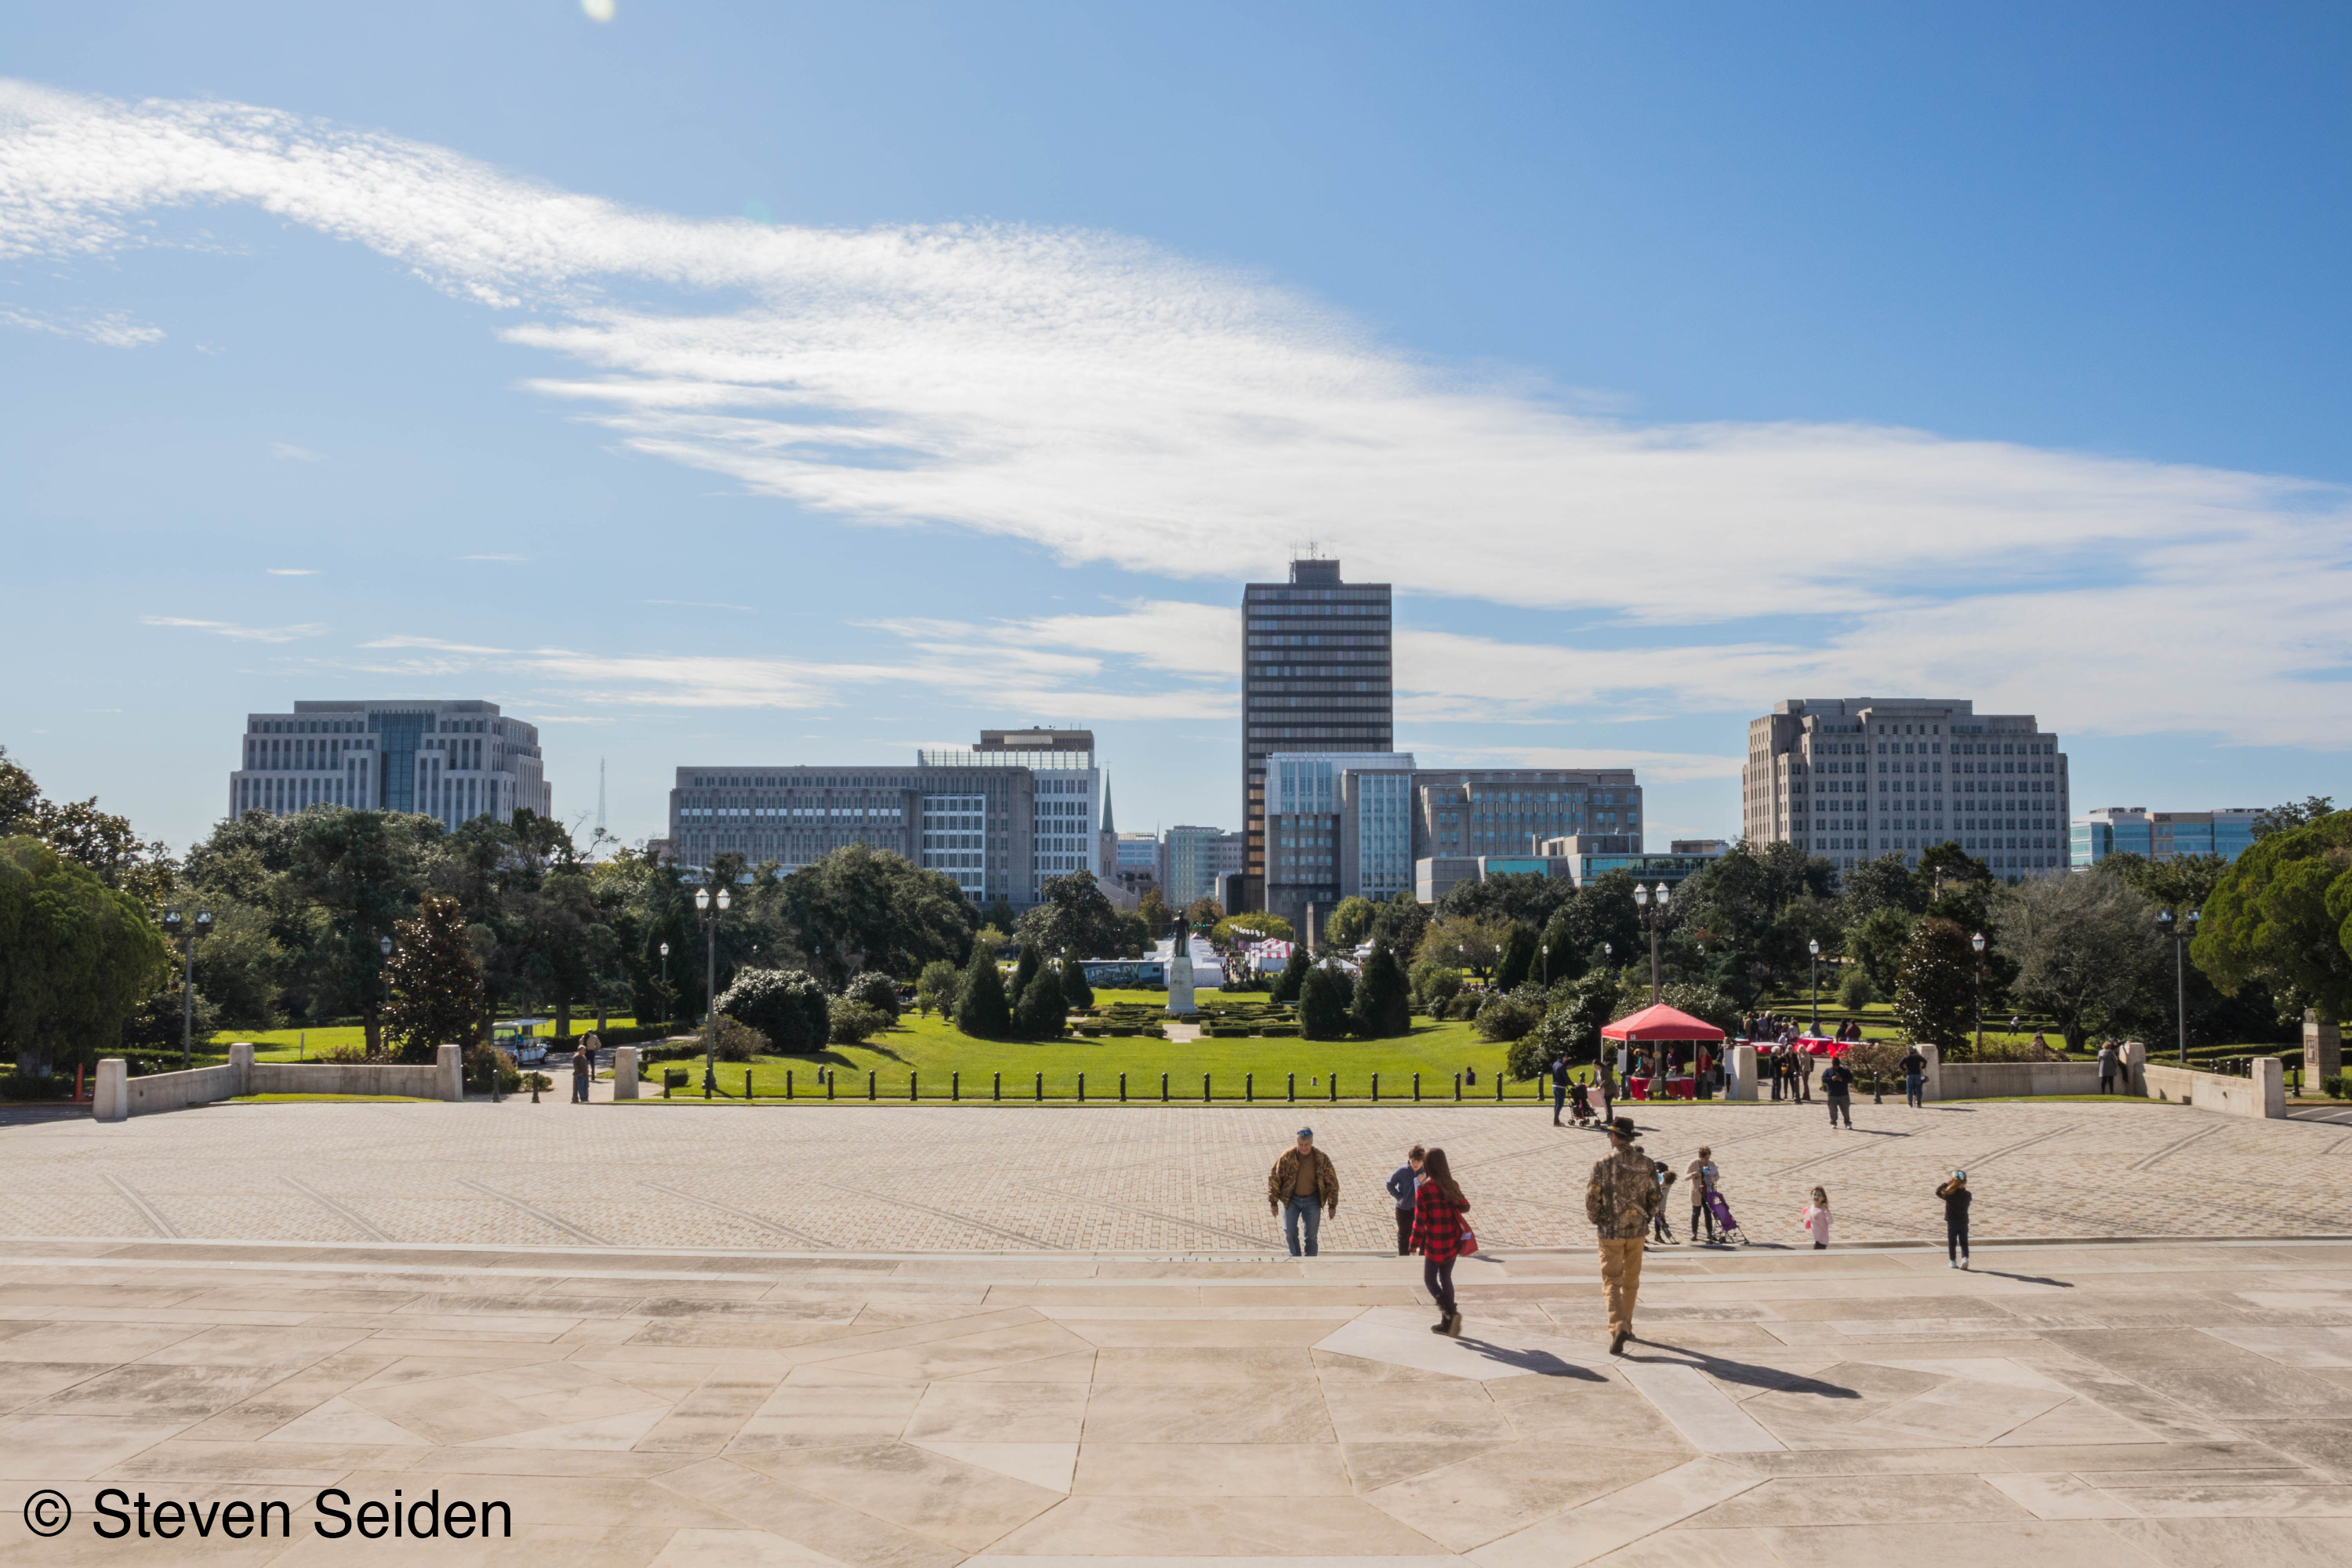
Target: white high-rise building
1853,778
452,760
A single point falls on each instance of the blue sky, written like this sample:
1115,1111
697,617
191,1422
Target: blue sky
731,383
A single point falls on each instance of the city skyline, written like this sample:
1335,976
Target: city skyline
1663,365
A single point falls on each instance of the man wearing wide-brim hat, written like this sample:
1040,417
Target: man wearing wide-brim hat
1621,1200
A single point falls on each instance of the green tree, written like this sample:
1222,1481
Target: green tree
1204,913
1382,1005
2283,917
1040,1013
1935,987
1530,897
981,1009
363,873
435,983
1401,923
936,990
1273,928
1877,941
870,904
1326,997
789,1006
1472,942
1076,991
77,958
1074,919
1518,960
1157,916
1883,883
1349,923
1023,971
1286,984
1571,1027
2293,814
1856,991
1434,985
855,1022
2086,948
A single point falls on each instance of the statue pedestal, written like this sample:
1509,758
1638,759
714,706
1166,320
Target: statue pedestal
1180,987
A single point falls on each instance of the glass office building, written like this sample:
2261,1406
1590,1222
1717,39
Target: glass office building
2160,835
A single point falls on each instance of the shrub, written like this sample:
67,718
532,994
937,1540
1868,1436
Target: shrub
2333,1086
1038,1013
1293,976
1510,1017
30,1085
980,1009
483,1064
1325,999
1382,1006
1077,995
786,1006
1434,985
738,1041
878,991
938,986
1855,992
853,1023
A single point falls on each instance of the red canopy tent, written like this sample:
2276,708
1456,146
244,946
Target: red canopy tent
1663,1026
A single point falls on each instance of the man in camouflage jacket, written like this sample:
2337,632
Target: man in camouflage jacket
1620,1200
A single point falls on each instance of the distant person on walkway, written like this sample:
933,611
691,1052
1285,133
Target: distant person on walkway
1302,1187
1620,1200
2107,1065
1403,1182
1803,1061
1608,1085
1437,1229
1701,1175
1837,1083
1956,1196
1579,1102
1816,1218
583,1070
1915,1077
1558,1087
1774,1060
1660,1230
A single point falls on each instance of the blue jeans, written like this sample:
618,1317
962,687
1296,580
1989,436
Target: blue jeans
1311,1209
1912,1083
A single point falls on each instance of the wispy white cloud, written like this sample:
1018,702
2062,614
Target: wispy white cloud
1110,402
291,571
435,644
293,454
229,629
109,329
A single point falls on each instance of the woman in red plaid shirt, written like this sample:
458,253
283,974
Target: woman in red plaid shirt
1438,1228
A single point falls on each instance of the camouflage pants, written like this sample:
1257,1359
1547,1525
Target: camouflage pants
1620,1277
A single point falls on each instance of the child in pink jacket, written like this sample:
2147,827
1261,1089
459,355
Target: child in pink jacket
1816,1218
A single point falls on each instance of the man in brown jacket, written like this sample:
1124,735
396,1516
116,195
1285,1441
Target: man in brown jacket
1620,1200
1301,1187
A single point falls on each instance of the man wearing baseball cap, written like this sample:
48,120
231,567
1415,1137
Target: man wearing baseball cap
1302,1187
1620,1200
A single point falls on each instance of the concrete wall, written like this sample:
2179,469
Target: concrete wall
2263,1094
624,1073
1992,1080
118,1095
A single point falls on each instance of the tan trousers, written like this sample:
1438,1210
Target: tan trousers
1620,1276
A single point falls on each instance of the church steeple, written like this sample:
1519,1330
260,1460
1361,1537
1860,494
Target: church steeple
1106,826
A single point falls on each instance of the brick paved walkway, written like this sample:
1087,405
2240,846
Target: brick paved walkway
1165,1181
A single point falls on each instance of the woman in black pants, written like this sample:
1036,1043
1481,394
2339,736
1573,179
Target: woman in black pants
1437,1225
1956,1196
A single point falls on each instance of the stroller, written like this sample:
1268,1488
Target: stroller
1726,1227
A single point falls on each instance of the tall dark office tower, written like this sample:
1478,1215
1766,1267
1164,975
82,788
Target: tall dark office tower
1314,677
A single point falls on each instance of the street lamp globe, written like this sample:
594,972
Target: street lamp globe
1815,947
701,901
723,901
1641,895
1977,942
664,949
2164,921
171,922
1661,895
383,945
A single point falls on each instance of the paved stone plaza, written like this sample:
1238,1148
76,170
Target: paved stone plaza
1176,1180
896,1338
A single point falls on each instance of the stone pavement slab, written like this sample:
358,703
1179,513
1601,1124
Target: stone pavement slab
1169,1181
987,1429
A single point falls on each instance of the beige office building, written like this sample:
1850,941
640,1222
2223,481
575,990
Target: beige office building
1851,779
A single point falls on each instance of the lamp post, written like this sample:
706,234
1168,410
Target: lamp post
703,906
2181,938
664,989
1546,965
1813,950
383,957
1977,942
186,933
1651,917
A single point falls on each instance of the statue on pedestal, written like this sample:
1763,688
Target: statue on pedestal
1180,974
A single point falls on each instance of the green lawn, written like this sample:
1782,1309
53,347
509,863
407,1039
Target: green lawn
932,1050
301,1045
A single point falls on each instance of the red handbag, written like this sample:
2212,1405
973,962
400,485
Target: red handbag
1469,1238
